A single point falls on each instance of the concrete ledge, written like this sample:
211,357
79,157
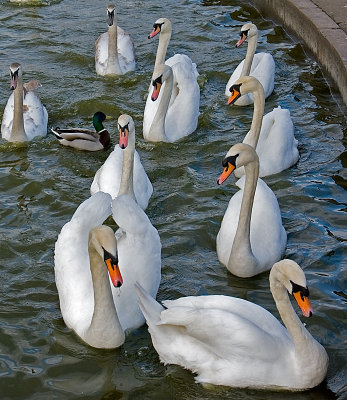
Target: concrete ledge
321,34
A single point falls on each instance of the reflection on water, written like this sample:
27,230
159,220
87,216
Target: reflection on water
42,184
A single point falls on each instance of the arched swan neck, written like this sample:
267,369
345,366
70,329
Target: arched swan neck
241,251
157,130
113,66
18,132
252,45
105,326
164,39
299,335
258,113
126,183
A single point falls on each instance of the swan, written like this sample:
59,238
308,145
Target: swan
251,237
101,315
109,175
271,135
114,50
260,65
233,342
165,122
24,116
85,139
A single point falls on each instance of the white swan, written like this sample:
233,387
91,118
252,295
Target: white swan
260,65
108,177
99,314
24,116
233,342
272,135
85,294
168,120
114,50
85,139
251,237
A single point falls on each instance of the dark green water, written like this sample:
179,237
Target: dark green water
43,183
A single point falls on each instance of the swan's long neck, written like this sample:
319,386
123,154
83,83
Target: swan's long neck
113,66
307,349
258,113
18,131
105,330
157,130
252,45
126,183
241,258
164,39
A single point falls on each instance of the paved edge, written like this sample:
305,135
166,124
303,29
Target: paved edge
321,34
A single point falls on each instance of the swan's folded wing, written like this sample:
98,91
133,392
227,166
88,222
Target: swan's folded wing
129,216
126,49
228,335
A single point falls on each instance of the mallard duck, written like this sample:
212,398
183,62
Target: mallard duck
85,139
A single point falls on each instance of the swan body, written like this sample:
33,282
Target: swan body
169,117
137,246
260,65
233,342
114,50
77,260
24,116
272,135
108,177
85,139
251,237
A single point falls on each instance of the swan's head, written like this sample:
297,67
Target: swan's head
245,84
125,127
15,73
238,155
102,238
111,14
247,31
160,74
160,25
292,277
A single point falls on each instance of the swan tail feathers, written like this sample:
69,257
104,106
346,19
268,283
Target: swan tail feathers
150,308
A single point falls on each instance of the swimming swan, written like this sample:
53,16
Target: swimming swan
85,139
24,116
123,157
233,342
100,314
165,120
114,50
251,237
260,65
272,135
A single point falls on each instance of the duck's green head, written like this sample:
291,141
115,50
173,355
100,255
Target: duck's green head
98,118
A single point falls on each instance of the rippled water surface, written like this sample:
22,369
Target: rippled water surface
43,183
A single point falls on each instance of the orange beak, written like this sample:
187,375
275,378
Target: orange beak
154,32
225,174
303,303
235,94
241,40
114,272
123,138
156,91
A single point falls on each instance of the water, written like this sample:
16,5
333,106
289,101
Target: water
43,183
